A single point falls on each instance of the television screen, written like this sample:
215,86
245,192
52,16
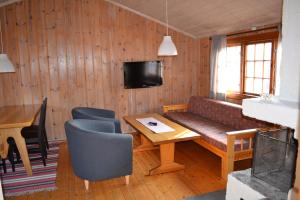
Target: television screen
142,74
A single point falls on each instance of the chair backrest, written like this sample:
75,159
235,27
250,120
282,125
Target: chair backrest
96,114
91,113
42,120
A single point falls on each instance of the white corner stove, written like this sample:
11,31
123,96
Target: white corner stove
283,109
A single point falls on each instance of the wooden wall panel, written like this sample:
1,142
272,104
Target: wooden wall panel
72,52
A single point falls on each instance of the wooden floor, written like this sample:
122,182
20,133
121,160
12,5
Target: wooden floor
201,175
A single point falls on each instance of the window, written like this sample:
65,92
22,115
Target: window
251,62
258,68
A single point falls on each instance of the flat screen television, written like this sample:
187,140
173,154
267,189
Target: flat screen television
142,74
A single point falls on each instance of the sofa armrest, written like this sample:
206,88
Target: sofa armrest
244,151
175,108
242,133
248,133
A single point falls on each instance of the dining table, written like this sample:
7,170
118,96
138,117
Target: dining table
12,119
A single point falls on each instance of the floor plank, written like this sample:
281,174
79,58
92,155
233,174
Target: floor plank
201,175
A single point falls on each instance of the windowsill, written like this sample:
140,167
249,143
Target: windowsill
240,96
237,98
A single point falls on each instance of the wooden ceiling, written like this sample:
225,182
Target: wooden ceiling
201,18
7,2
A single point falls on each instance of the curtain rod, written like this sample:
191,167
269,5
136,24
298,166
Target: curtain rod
252,31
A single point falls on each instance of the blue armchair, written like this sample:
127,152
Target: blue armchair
97,114
97,152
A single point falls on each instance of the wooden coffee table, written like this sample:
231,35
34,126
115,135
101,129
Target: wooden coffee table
164,141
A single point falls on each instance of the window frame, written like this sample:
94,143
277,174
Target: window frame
243,41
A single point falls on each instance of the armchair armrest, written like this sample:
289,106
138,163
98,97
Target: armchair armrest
175,107
118,156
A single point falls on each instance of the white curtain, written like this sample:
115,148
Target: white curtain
278,63
218,67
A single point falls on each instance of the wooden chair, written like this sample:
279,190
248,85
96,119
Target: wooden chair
35,137
3,164
32,131
10,157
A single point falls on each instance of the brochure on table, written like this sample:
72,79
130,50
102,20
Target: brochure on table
155,125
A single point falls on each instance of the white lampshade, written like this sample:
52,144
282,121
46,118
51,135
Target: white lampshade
5,64
167,47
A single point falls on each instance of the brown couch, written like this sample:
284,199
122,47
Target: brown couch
224,130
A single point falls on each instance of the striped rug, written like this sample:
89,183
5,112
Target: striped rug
43,177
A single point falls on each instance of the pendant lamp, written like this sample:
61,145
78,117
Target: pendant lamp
5,64
167,47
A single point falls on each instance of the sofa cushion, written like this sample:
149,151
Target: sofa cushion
223,112
212,132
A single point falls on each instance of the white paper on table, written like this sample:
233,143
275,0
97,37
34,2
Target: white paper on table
159,128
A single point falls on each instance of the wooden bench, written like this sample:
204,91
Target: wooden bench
239,142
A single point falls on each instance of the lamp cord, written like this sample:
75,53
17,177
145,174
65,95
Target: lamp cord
167,20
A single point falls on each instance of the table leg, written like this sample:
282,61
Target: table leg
145,145
4,145
21,145
167,163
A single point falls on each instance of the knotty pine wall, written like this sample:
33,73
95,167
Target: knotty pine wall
72,52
